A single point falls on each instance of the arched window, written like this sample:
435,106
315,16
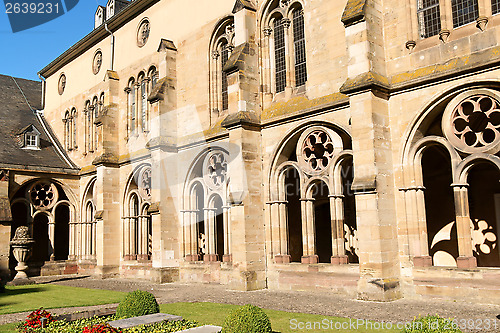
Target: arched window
495,6
221,46
74,130
299,38
286,46
142,82
311,203
87,119
280,54
138,235
67,130
153,78
429,17
464,12
131,114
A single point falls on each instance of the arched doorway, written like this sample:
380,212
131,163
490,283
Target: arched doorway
440,207
294,230
61,234
322,221
42,248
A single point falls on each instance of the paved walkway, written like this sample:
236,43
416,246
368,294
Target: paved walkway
322,303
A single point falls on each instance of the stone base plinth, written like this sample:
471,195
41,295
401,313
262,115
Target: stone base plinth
227,258
340,260
466,262
310,259
282,259
21,282
192,257
210,257
423,261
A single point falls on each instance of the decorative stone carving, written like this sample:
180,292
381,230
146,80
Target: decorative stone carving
471,122
215,167
143,33
62,84
284,3
21,246
317,151
43,195
144,183
97,62
444,35
481,23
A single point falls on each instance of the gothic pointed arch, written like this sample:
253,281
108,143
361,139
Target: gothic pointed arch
311,203
220,49
206,224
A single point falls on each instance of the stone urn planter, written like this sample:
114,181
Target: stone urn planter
21,248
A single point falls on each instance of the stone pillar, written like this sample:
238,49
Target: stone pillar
308,233
72,241
288,47
367,87
126,238
52,229
416,225
210,236
338,242
466,257
227,234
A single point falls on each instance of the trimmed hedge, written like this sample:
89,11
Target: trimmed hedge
434,324
137,303
247,319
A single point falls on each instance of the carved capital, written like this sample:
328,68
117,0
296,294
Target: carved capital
268,31
127,90
286,22
215,55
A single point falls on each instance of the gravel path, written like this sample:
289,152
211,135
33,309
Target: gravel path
321,303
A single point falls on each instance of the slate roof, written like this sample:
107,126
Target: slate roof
16,115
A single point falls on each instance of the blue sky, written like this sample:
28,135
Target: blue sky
24,53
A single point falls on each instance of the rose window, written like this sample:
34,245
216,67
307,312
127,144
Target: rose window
217,169
318,150
145,182
475,124
43,195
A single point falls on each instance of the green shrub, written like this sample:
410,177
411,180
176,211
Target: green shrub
247,319
137,303
430,324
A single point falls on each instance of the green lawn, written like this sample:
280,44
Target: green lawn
284,322
28,298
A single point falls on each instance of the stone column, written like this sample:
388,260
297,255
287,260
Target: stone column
286,24
194,236
466,257
227,234
338,242
275,230
210,236
51,248
72,241
309,249
416,224
267,65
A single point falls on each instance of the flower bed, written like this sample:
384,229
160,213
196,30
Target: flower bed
93,325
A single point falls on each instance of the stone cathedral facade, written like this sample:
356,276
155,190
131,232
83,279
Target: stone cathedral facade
348,146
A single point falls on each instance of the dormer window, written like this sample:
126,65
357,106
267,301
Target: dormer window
100,16
31,141
30,138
